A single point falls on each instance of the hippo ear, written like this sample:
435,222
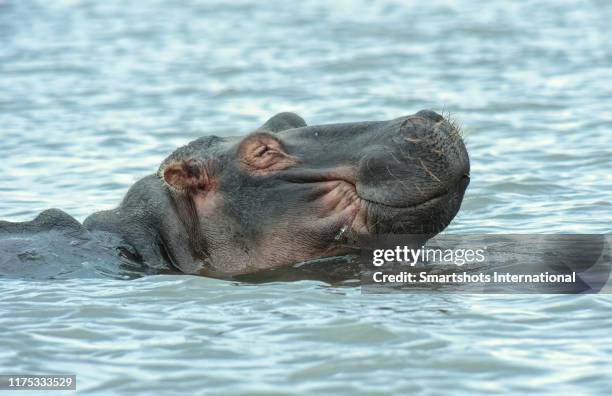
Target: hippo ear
283,121
186,176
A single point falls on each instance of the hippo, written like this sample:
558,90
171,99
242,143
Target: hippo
283,194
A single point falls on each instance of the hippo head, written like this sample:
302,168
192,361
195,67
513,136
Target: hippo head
288,192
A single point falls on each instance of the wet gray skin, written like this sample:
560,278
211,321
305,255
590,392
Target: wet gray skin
284,194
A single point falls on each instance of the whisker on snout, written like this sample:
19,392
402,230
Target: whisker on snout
430,173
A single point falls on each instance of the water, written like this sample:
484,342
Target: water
93,95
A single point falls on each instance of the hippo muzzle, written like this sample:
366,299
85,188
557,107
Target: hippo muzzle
406,175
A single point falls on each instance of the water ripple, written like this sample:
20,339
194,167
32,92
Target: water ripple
96,94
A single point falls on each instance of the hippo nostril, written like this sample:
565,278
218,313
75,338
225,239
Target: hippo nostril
430,114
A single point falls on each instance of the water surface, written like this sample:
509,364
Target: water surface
93,95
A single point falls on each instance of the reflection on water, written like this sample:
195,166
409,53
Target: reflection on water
95,94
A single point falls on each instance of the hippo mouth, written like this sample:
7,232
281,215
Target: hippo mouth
355,214
461,184
427,217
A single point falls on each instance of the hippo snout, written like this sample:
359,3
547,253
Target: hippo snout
419,158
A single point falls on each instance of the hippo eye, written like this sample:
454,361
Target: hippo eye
262,153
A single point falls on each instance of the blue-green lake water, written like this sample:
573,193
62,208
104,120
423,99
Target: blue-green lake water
94,94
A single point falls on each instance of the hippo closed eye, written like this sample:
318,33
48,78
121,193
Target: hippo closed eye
288,192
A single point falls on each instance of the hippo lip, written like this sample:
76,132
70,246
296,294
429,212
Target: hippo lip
462,183
411,206
308,177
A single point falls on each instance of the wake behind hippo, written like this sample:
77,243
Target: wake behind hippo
285,193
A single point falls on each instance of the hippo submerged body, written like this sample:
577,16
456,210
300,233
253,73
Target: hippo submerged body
286,193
